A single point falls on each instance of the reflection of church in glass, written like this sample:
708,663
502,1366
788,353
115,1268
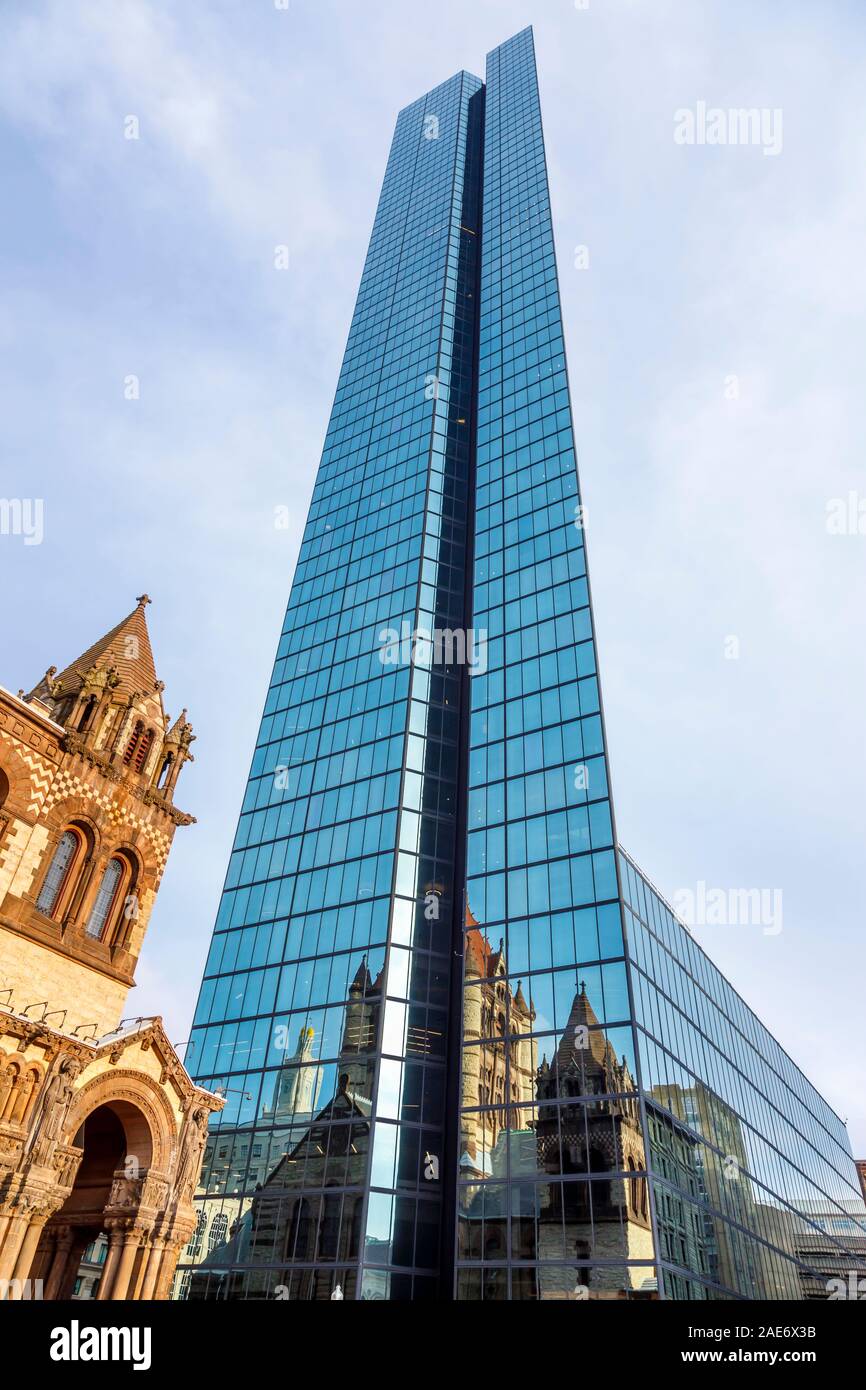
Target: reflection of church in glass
299,1081
697,1184
500,1023
293,1218
566,1130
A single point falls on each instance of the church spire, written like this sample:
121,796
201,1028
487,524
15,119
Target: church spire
125,648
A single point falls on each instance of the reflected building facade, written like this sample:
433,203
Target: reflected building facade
766,1150
465,1048
831,1248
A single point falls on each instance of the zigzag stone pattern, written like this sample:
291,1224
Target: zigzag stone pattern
89,762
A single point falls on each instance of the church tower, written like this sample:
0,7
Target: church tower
89,763
102,1130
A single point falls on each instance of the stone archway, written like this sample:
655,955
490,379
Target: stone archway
124,1130
139,1103
81,1219
110,1139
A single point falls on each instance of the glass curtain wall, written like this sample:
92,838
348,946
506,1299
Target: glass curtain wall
323,1014
552,1189
466,1048
741,1146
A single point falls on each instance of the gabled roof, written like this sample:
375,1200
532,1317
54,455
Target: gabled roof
345,1105
481,959
147,1031
583,1015
151,1032
126,647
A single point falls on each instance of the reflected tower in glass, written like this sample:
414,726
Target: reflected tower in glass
467,1050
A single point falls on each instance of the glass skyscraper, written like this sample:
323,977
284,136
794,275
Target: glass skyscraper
466,1048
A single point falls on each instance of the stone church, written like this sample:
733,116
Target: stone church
101,1128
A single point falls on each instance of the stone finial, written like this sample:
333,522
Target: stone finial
51,685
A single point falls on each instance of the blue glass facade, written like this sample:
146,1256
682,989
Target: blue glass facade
546,1013
742,1149
324,1007
465,1049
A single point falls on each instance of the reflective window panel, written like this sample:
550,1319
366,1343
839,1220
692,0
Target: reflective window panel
324,1011
755,1190
465,1048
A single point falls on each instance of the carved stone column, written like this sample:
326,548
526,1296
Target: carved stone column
138,1269
11,1100
25,1091
16,1230
131,1236
88,888
127,1279
115,1246
167,1266
43,1257
151,1271
32,1237
80,1241
59,1261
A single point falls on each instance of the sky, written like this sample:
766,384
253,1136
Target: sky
165,387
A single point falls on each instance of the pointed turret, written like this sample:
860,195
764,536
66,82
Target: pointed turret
125,648
93,809
109,701
520,1002
363,981
175,752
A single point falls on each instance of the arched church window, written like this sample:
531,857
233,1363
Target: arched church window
59,871
218,1232
329,1234
87,714
106,897
302,1231
134,739
4,792
194,1247
145,744
9,1083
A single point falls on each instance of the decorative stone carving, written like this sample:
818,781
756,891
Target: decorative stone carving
66,1161
6,1079
142,1092
54,1107
125,1192
83,754
155,1191
189,1165
10,1149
